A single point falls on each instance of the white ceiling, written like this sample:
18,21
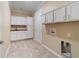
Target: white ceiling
26,6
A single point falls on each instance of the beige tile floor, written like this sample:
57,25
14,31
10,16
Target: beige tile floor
28,49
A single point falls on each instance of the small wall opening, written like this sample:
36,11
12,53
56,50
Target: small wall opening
66,49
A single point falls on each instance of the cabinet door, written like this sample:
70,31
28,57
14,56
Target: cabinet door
49,17
29,21
21,21
13,35
21,35
43,19
73,11
18,20
59,15
14,20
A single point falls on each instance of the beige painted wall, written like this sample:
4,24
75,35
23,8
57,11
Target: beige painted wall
5,28
54,43
63,29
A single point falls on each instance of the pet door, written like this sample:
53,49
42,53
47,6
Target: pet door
66,49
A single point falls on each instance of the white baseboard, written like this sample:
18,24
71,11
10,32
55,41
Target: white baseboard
7,50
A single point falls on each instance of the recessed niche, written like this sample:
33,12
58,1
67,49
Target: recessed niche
18,28
66,49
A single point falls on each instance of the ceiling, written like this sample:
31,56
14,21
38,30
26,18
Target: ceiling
26,6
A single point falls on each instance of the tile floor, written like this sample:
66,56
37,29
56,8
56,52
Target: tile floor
28,49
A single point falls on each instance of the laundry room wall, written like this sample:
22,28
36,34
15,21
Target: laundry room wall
54,42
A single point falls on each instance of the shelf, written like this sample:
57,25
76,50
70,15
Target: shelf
18,25
61,22
19,30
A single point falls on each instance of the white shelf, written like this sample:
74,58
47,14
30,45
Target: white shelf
77,20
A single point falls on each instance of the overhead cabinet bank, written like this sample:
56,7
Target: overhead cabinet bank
63,14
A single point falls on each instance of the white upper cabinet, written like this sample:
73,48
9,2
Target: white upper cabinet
18,20
29,20
21,21
49,17
64,14
13,20
73,11
59,15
